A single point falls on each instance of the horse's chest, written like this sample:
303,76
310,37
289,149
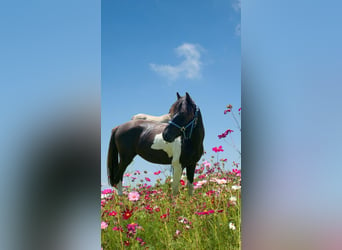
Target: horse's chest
173,149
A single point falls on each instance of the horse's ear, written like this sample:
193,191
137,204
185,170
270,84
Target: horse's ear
188,98
178,96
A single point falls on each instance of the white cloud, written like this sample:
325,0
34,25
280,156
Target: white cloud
190,67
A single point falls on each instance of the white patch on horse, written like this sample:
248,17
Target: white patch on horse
173,149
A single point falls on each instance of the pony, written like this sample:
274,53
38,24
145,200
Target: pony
179,143
163,118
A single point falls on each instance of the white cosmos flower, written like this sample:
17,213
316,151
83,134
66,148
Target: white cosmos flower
233,198
232,226
235,187
221,181
103,196
202,182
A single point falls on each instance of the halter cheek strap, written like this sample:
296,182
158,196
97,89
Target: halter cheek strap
192,124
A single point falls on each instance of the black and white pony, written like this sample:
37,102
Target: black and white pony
179,143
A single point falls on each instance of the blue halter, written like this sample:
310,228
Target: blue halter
192,124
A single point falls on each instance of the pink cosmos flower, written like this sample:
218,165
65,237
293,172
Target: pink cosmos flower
196,185
207,164
205,212
127,214
229,108
132,228
165,215
223,135
199,184
113,213
218,149
210,192
156,173
118,229
182,182
229,131
237,172
133,196
149,208
147,179
236,164
104,225
141,241
107,191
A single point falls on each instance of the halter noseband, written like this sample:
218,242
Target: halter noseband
192,124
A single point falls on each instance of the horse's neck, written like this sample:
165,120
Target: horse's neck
198,133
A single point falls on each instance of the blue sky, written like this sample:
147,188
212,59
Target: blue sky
50,58
153,49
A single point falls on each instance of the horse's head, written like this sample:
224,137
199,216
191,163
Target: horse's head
183,115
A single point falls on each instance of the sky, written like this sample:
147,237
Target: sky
153,49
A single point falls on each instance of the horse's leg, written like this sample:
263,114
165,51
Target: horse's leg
125,160
119,188
190,171
177,174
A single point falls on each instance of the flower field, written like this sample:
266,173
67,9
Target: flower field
149,217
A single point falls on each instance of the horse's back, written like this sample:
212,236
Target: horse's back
140,126
163,118
133,131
